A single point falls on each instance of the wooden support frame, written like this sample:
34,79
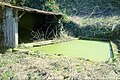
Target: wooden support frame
2,46
10,19
21,15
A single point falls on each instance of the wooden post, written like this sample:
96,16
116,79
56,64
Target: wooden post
11,27
2,46
111,52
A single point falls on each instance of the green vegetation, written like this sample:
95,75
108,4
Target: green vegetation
86,19
99,27
35,65
47,5
92,50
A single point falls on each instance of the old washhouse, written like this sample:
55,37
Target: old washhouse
16,24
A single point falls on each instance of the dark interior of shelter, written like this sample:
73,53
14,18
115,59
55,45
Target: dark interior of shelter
37,26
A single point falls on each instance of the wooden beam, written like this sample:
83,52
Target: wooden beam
21,15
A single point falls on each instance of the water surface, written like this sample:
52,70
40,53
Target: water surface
92,50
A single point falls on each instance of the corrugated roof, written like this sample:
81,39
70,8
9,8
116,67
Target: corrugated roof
28,9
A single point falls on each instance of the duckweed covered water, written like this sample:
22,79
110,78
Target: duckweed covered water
92,50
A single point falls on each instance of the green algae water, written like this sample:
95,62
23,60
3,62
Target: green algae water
92,50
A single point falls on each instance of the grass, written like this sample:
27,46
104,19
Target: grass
92,50
27,65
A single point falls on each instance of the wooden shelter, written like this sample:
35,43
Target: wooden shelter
13,19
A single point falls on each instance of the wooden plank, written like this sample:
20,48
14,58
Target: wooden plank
11,28
1,31
15,29
8,25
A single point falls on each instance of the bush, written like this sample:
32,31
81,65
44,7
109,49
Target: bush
18,2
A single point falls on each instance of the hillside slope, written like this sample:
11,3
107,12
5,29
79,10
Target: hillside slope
88,7
24,65
89,18
92,18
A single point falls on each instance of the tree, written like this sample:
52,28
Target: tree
116,3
